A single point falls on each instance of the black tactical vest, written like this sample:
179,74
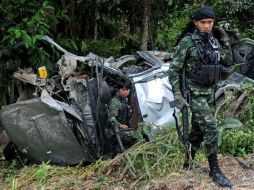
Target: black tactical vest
125,112
208,70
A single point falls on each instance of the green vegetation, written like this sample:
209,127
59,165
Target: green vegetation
108,28
237,136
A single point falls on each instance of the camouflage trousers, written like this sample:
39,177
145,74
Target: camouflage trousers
204,128
130,137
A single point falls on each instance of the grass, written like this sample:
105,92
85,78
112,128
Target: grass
133,168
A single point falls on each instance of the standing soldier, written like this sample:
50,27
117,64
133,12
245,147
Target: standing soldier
202,57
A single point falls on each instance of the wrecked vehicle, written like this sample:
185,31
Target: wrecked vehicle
61,117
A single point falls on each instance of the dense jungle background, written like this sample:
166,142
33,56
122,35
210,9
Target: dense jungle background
114,28
105,27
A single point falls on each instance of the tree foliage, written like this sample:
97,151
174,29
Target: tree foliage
105,27
240,12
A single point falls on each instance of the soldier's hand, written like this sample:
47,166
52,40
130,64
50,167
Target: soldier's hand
180,101
224,36
122,126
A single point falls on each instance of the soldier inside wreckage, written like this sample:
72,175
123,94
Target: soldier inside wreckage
61,117
119,130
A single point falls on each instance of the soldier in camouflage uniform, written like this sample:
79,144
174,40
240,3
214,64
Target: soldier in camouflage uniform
203,57
120,115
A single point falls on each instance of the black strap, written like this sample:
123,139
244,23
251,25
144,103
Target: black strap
198,48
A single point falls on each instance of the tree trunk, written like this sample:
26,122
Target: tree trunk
145,24
95,34
95,30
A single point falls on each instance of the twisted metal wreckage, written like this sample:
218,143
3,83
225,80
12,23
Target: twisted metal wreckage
61,118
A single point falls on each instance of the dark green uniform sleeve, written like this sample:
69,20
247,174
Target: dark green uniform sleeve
176,64
114,107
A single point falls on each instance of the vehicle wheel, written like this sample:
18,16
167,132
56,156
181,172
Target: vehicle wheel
11,153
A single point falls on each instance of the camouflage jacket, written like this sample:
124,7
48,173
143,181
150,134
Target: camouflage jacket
114,108
187,53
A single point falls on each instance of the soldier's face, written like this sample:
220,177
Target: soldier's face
204,25
124,92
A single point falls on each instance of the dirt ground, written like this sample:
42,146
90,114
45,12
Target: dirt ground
239,170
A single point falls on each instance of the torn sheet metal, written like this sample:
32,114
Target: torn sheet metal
67,66
43,132
48,100
69,109
26,76
153,99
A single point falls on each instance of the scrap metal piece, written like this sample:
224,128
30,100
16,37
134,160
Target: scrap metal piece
67,66
48,100
69,109
43,132
26,76
51,41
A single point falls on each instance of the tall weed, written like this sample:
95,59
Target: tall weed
238,141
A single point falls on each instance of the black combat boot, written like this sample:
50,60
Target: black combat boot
216,174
